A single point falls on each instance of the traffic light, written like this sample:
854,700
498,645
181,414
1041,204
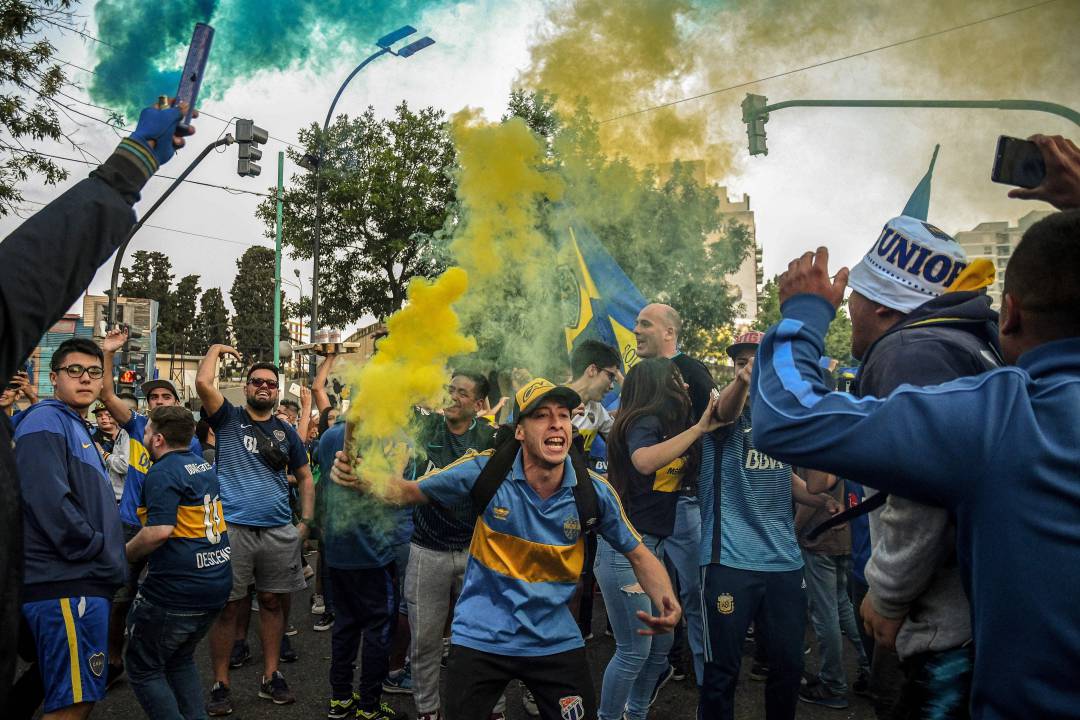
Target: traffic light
129,355
755,119
249,136
124,357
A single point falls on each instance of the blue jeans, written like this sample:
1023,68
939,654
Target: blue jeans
159,659
639,659
683,550
831,612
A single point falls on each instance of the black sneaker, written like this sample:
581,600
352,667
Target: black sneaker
324,623
383,712
276,689
240,655
861,686
288,655
661,682
819,695
220,700
340,709
759,671
113,674
678,673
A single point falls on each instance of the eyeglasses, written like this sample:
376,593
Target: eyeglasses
458,392
262,382
76,371
611,376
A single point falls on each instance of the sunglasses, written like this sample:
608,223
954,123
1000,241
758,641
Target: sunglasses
76,371
260,382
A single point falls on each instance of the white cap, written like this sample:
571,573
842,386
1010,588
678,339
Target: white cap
910,263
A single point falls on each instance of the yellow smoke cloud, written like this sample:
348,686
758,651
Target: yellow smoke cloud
619,56
499,185
499,188
511,306
409,369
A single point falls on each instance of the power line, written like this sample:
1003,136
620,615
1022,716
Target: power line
172,229
237,191
823,63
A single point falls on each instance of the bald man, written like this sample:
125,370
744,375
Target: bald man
657,333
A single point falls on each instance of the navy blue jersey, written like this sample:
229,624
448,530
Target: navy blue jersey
252,493
191,569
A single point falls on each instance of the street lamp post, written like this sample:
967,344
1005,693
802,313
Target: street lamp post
384,44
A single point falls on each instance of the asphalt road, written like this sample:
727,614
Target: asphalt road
308,680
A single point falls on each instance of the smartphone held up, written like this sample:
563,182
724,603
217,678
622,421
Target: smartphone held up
1018,162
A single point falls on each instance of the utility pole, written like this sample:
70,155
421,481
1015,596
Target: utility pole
277,258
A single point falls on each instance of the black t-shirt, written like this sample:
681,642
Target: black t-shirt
436,526
700,380
651,499
701,383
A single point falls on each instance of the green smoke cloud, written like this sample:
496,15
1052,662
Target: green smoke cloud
147,41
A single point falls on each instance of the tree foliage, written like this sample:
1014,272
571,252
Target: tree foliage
177,333
386,190
32,84
252,295
837,340
150,276
212,323
663,226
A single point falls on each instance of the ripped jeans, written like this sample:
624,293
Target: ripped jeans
639,660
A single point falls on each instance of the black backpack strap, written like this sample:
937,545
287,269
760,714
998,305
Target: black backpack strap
584,492
866,506
496,470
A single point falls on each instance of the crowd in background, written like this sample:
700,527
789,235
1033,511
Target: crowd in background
702,514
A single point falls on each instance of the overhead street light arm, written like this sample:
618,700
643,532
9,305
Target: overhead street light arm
755,111
316,162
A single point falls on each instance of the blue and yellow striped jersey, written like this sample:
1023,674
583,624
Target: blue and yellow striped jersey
525,558
191,570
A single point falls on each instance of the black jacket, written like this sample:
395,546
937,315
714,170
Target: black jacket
951,336
45,264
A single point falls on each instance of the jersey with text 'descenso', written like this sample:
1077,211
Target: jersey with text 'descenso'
191,569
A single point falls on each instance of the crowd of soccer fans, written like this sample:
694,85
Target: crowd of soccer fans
929,517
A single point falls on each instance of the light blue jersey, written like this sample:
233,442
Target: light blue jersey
753,511
525,558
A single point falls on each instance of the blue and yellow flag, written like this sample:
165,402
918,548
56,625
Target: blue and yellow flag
608,302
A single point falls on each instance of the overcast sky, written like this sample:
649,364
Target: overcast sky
831,177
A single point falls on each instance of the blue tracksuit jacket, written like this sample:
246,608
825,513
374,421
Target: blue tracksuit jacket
73,543
1001,450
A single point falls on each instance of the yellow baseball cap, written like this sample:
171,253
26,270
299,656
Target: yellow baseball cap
529,397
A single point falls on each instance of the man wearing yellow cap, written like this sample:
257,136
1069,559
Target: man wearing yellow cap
511,620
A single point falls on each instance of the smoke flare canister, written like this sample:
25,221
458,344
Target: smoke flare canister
191,79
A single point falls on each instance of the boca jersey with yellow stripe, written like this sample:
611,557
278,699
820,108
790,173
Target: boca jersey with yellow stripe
525,558
191,569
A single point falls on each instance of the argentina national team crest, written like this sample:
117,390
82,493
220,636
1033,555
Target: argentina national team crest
725,604
571,528
572,707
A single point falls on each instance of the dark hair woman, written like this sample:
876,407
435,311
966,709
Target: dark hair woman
653,452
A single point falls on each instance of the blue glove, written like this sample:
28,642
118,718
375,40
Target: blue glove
159,126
